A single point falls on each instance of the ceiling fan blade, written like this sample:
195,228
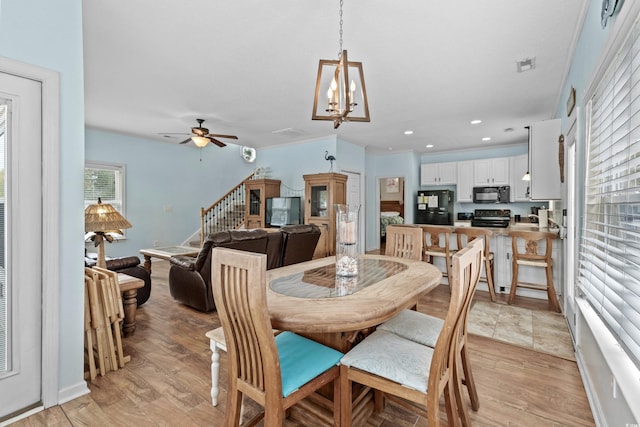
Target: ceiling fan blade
223,136
185,141
215,141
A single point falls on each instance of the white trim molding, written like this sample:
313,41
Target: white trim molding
50,81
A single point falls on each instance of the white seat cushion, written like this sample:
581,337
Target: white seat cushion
390,356
415,326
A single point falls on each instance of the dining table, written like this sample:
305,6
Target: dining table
308,298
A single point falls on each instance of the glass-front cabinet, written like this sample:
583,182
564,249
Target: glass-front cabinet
257,192
319,200
323,191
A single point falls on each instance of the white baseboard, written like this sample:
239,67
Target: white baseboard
73,392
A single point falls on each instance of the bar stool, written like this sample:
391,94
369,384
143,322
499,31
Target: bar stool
464,235
533,257
437,240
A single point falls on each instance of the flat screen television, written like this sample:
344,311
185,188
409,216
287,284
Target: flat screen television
281,211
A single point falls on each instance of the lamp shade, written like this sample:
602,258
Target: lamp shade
103,217
200,141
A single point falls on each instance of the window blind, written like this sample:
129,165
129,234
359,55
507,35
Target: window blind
609,258
106,182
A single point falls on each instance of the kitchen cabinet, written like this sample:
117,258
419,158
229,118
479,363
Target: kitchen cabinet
543,160
438,173
491,171
464,182
321,192
519,165
257,191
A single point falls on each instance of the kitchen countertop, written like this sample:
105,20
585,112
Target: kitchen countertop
513,226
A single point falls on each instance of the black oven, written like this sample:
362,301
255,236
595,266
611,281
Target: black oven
491,194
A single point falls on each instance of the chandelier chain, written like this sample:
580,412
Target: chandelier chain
340,51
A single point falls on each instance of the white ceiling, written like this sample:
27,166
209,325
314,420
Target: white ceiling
248,67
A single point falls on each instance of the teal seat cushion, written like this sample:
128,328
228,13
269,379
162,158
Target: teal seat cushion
415,326
302,359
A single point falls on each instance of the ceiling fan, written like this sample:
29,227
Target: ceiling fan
201,136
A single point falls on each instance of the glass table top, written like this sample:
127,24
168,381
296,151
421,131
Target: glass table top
322,282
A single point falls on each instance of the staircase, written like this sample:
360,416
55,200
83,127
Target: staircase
225,214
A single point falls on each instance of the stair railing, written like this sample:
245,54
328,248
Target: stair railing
227,213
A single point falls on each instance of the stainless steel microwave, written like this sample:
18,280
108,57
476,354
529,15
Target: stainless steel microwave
491,194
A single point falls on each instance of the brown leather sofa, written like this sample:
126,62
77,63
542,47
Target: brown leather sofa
190,279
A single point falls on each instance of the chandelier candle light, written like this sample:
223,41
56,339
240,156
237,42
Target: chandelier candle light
342,95
347,239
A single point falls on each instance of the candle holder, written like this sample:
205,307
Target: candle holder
347,239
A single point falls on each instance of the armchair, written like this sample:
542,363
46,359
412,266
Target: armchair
130,266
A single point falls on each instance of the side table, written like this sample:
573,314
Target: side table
129,288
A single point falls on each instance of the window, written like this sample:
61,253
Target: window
105,181
609,262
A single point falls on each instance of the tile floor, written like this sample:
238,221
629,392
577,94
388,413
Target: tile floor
543,331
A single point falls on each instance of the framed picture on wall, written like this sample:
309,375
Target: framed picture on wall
392,185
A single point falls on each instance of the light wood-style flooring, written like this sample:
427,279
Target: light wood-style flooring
168,381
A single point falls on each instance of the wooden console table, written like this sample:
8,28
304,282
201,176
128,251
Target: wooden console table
166,252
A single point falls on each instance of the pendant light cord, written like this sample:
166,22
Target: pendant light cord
340,33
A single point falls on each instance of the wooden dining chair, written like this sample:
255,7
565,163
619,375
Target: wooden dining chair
425,329
465,235
437,243
527,251
276,372
404,241
415,373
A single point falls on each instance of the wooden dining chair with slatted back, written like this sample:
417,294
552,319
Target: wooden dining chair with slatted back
425,329
464,235
437,244
533,249
422,375
274,371
404,241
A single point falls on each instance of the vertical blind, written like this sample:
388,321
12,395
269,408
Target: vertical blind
609,259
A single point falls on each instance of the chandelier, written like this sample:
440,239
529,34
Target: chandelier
340,94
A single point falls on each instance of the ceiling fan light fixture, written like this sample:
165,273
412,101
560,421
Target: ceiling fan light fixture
200,141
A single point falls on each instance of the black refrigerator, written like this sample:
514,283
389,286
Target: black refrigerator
434,207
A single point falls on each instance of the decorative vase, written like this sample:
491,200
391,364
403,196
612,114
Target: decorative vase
347,239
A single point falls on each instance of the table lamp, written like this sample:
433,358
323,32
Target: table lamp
101,221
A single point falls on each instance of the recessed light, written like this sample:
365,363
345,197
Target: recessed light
429,145
486,138
390,148
408,132
476,122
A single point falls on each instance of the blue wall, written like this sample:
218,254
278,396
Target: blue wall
167,184
49,34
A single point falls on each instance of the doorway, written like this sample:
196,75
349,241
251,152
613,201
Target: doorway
392,206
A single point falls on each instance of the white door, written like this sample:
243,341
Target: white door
20,258
353,198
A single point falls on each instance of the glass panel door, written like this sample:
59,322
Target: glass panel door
3,277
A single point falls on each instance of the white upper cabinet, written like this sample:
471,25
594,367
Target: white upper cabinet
491,171
438,173
464,188
519,165
543,157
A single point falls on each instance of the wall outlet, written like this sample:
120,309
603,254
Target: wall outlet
156,243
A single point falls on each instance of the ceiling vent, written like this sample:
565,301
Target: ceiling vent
526,64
